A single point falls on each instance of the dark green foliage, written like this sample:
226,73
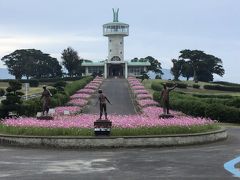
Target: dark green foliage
31,107
13,101
196,86
60,85
181,85
169,84
156,86
33,83
176,70
155,65
70,89
224,96
144,76
203,65
72,62
2,92
222,88
226,83
158,76
53,91
235,102
32,63
222,113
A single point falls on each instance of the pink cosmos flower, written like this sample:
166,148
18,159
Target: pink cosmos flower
77,102
143,96
147,102
72,109
80,95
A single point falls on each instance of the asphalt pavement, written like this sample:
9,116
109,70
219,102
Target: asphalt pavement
188,162
118,92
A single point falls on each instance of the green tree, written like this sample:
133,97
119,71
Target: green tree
2,92
211,65
203,65
144,76
155,65
13,101
72,62
187,70
32,63
176,70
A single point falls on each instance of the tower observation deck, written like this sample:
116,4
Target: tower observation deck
115,31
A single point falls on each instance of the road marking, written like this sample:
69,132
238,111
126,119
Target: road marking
230,166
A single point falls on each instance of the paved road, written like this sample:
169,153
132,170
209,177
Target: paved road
117,92
189,162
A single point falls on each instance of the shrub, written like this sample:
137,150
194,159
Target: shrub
169,84
210,108
226,83
222,88
53,91
2,92
182,85
13,101
224,96
156,86
235,102
196,86
222,113
33,83
158,76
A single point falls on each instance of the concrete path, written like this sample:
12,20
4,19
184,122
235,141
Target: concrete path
117,91
203,162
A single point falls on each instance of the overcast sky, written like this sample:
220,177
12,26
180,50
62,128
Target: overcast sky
160,28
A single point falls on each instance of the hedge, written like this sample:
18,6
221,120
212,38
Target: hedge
226,83
222,88
45,79
32,106
224,96
156,86
196,86
196,107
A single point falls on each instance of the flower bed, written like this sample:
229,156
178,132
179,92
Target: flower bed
147,102
80,96
71,109
149,118
143,96
118,121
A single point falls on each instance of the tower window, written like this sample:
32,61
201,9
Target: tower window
121,42
110,40
110,50
121,52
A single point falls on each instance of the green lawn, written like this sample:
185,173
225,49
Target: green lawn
171,130
201,90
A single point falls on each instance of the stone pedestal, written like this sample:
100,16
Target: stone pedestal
102,127
45,117
165,116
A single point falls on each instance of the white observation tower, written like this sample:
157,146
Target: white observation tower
115,31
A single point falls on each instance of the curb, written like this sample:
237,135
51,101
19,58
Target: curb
113,142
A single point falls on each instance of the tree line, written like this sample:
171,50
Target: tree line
32,63
194,64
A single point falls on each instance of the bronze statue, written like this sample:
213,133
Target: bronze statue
46,100
103,105
165,98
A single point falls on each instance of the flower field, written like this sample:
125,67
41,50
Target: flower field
147,118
